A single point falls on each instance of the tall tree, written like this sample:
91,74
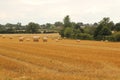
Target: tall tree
117,27
10,28
68,31
18,26
78,27
106,22
48,25
32,27
105,31
67,22
104,25
58,24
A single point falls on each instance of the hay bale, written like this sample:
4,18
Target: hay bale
57,40
77,40
39,37
3,36
27,39
102,40
10,37
36,38
106,40
45,39
65,38
21,39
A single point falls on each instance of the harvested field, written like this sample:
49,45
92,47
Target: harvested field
63,60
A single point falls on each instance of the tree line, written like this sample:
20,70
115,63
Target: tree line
103,30
30,28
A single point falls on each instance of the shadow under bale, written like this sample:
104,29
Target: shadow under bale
36,38
45,39
21,39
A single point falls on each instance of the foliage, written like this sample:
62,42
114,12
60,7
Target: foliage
89,30
114,37
117,36
32,27
84,36
67,22
57,24
67,32
117,27
103,29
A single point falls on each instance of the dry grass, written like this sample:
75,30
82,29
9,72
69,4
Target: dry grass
63,60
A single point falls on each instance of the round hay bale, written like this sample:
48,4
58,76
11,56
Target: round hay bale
65,38
21,39
39,37
45,39
27,39
3,36
77,40
106,40
36,38
102,40
57,40
10,37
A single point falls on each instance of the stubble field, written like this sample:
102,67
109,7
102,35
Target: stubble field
58,59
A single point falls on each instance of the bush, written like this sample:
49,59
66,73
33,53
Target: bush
68,32
84,36
110,38
114,37
117,36
61,33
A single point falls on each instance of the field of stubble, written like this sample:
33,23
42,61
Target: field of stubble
58,60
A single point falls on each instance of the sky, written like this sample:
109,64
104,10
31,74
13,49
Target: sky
50,11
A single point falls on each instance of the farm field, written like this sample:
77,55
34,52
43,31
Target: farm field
58,60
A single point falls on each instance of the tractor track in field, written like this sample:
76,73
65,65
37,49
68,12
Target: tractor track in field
79,45
33,65
90,46
20,62
35,68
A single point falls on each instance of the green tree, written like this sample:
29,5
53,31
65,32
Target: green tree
48,25
89,29
18,26
117,27
106,22
84,36
105,31
78,26
2,29
67,22
68,32
66,27
10,28
117,36
32,27
58,24
99,34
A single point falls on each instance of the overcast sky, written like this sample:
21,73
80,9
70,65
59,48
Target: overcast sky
49,11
